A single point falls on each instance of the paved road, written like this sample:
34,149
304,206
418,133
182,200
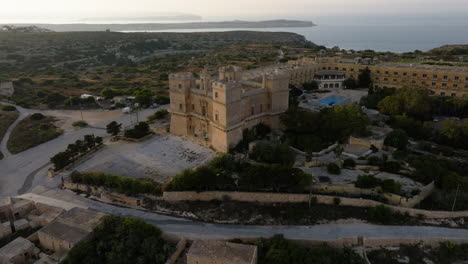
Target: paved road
193,229
17,171
22,114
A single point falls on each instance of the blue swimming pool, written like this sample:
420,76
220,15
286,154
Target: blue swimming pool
330,102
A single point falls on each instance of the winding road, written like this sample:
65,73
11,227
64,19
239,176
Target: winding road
196,230
22,114
22,172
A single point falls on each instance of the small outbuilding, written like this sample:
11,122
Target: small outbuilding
221,252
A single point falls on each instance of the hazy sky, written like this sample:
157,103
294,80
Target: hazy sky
223,8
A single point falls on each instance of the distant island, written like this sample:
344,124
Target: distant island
168,26
175,16
25,29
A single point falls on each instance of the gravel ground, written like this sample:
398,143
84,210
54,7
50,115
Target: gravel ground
158,158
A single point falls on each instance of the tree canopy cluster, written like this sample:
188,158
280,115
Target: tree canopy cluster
273,153
118,240
127,186
313,131
227,173
412,110
74,150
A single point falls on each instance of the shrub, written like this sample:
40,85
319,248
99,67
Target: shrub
397,139
162,100
37,116
391,166
140,130
160,114
367,181
390,186
349,163
374,161
8,108
313,200
261,130
333,168
80,123
336,201
382,214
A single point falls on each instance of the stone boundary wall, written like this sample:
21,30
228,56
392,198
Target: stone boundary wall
371,242
107,196
179,249
367,143
136,140
316,154
301,198
393,199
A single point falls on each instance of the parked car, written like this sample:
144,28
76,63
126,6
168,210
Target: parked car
127,110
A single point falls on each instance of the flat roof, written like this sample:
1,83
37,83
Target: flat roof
49,201
223,251
81,218
64,232
5,201
15,248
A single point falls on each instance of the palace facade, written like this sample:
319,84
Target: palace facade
214,110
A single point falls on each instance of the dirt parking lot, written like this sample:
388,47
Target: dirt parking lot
159,158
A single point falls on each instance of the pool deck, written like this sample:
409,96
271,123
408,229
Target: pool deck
315,101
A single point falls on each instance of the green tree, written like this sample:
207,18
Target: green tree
350,83
144,97
364,78
113,128
309,86
98,140
273,152
108,93
397,139
333,168
60,160
90,141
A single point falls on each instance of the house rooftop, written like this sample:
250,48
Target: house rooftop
15,248
223,251
5,201
81,218
64,232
